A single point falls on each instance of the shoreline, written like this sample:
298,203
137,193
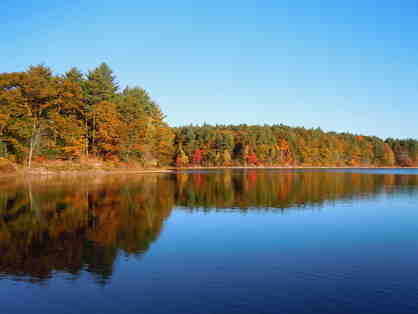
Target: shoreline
31,173
287,167
28,173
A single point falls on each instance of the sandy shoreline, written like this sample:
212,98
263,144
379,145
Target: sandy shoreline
26,173
92,172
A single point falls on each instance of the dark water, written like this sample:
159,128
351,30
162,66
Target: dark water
212,242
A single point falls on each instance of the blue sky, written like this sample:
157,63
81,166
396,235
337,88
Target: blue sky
342,67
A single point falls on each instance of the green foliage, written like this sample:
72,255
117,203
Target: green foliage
100,85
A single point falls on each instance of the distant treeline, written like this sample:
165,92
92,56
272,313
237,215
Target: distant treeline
76,115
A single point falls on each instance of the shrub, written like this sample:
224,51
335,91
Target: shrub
7,166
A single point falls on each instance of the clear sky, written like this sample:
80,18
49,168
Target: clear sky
339,65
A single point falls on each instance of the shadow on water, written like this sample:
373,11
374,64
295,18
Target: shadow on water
83,224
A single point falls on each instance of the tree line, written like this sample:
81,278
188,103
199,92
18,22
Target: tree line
79,115
275,145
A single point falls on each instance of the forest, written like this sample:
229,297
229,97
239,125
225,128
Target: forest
76,116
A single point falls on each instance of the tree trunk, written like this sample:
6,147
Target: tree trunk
94,130
33,142
87,138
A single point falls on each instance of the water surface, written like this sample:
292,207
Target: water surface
241,241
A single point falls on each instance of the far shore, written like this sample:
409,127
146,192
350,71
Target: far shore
36,172
287,167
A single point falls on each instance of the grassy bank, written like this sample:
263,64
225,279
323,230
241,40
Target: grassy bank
65,167
96,166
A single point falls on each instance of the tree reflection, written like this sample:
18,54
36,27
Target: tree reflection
83,224
75,227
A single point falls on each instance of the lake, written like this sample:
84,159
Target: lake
215,241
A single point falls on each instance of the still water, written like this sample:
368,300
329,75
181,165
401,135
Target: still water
241,241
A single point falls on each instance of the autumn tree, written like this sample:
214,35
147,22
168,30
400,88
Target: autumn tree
252,158
100,87
40,106
107,128
181,158
197,158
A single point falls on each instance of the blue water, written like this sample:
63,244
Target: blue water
341,250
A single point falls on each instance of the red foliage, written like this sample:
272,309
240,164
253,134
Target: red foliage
407,162
197,179
111,157
252,159
252,178
40,159
197,158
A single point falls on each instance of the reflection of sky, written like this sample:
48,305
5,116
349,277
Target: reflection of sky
403,171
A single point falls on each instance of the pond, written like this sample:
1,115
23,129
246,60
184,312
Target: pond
215,241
